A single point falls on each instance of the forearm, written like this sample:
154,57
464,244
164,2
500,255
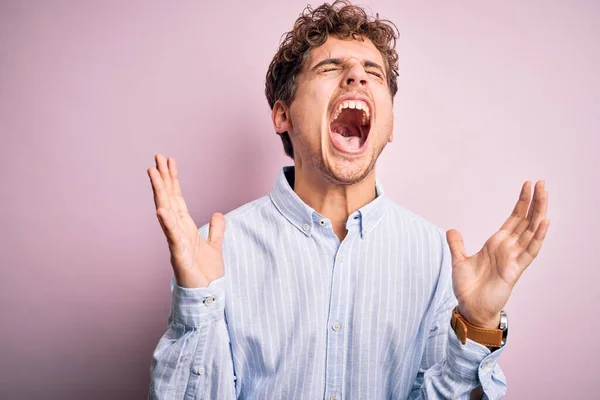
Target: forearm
193,358
448,368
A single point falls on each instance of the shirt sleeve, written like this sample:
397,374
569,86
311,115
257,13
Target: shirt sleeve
449,369
193,358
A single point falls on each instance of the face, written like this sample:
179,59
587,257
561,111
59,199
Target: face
341,117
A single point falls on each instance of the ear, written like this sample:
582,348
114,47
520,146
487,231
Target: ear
281,117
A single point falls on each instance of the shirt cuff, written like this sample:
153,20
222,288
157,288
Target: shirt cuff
197,306
473,361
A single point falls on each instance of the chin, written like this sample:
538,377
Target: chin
347,171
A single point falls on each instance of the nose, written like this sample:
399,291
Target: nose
356,76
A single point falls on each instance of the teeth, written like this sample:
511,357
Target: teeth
355,104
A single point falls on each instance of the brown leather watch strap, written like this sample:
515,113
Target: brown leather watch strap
485,336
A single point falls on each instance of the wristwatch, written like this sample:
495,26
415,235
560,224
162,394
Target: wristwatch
485,336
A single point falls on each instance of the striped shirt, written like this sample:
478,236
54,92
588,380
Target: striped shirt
301,315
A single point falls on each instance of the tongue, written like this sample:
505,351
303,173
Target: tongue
346,138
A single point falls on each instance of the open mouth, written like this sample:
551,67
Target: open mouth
350,125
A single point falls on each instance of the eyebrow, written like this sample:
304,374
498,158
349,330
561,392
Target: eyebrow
339,61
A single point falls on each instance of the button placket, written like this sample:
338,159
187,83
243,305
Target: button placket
337,314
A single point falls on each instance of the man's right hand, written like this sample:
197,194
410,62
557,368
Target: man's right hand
196,262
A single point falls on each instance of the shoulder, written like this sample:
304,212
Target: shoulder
241,215
397,213
429,240
249,210
416,230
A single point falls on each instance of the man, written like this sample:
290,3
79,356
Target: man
325,288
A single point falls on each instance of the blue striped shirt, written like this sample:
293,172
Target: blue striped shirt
299,315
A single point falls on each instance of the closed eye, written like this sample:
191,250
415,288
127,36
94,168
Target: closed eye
377,74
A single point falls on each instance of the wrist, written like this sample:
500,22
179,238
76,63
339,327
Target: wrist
478,320
492,323
490,336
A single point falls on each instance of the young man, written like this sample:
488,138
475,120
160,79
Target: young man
325,288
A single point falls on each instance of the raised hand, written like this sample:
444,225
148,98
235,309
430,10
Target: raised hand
483,282
196,262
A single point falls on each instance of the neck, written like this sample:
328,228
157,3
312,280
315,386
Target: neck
334,201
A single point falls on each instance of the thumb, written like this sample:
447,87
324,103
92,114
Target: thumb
457,246
216,230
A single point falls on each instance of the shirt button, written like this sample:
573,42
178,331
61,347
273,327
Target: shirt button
334,397
209,301
341,258
485,365
305,227
323,222
336,326
201,371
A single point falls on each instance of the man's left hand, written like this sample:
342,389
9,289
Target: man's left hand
483,282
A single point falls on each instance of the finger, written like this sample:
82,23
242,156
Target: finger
184,219
178,203
520,210
161,198
174,171
216,230
538,192
538,215
160,221
174,204
533,210
180,208
457,245
522,227
163,168
532,251
170,228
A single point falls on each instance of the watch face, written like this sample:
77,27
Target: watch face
503,320
503,326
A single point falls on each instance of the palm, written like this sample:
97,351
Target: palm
483,282
196,262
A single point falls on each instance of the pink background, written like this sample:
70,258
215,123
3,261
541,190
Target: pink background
491,93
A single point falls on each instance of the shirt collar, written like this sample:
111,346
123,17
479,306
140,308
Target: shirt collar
304,217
